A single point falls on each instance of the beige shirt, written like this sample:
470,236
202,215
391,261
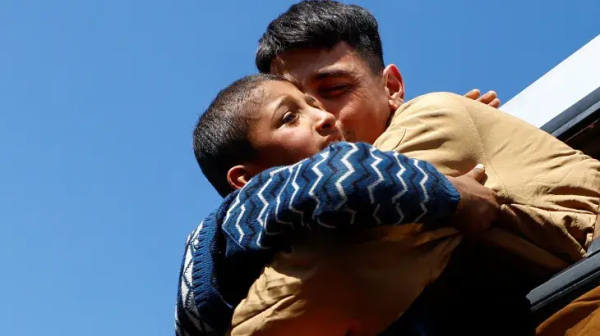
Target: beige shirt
550,195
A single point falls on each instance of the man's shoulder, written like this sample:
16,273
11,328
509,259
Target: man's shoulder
445,100
445,113
436,105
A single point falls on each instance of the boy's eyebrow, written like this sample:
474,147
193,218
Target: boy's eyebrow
285,100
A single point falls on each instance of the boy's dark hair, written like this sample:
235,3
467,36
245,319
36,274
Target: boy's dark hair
221,134
321,25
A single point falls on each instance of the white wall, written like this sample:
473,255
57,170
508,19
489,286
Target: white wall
570,81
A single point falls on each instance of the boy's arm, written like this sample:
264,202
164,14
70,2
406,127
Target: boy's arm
347,185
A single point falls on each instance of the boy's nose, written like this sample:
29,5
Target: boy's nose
325,121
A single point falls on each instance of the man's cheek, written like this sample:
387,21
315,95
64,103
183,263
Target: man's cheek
337,105
349,135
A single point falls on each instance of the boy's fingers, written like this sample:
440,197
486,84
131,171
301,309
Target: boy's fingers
495,103
488,97
473,94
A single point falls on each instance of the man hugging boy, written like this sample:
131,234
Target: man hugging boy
337,224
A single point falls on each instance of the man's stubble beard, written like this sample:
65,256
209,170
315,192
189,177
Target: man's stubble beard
350,136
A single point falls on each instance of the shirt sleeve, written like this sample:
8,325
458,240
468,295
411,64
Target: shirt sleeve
347,185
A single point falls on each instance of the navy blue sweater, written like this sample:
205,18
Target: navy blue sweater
344,187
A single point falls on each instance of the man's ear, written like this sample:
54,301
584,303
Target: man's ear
238,176
394,86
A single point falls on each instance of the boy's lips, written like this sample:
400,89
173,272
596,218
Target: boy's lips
336,137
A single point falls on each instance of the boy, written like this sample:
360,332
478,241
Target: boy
224,256
286,127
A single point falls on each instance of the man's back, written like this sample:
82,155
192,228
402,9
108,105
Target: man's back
550,192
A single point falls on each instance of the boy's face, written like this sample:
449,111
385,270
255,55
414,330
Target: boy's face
290,126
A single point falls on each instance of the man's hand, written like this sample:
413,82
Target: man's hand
490,98
478,206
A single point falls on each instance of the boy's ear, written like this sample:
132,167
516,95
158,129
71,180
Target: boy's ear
394,86
238,176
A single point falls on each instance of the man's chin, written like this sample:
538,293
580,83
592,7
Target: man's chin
349,136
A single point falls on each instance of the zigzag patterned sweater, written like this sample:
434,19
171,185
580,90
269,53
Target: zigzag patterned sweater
344,187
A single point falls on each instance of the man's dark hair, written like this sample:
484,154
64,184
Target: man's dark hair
221,134
321,25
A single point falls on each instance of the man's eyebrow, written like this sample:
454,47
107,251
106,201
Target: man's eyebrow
328,73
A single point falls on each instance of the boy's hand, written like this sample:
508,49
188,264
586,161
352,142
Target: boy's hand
490,98
478,206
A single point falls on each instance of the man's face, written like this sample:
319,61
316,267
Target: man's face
344,85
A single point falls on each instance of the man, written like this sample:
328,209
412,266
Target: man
356,86
353,85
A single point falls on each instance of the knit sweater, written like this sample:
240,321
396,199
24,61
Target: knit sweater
345,187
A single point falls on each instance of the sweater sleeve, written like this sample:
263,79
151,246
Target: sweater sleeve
347,185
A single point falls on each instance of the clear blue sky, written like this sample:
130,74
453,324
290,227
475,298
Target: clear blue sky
98,183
